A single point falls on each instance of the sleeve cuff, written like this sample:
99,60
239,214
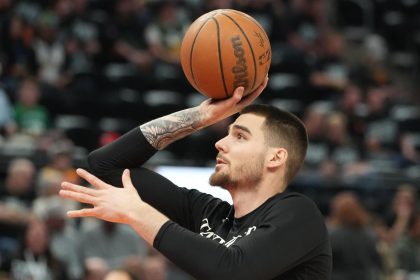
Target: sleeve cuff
162,231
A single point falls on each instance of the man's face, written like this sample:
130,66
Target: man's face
241,157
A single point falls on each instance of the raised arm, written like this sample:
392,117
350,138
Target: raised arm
163,131
134,148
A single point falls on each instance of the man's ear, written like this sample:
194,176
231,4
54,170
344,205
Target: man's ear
278,157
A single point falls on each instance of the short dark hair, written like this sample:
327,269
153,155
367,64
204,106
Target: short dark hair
283,129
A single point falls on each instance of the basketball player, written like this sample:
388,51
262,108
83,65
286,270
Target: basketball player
267,233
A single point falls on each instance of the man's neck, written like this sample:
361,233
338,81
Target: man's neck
247,199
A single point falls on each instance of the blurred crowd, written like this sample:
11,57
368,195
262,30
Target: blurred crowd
76,74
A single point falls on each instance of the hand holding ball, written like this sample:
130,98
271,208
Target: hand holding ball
225,49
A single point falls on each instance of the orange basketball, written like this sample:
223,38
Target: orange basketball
224,49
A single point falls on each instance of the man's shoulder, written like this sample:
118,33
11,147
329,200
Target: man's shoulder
296,203
293,197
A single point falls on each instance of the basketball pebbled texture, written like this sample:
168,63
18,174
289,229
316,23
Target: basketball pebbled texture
224,49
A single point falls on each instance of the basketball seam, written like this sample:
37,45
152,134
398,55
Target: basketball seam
220,56
191,53
250,47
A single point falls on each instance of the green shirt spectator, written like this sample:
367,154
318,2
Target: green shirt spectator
30,116
32,120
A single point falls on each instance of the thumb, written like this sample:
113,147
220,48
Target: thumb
238,93
126,179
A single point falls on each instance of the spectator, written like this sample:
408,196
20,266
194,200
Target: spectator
304,26
64,237
342,153
315,123
372,70
31,117
351,99
109,246
7,123
81,36
385,248
408,247
34,260
381,131
403,207
49,51
319,168
60,166
330,74
18,187
125,33
164,37
49,181
377,101
16,196
17,50
349,103
341,146
155,267
164,34
354,253
409,151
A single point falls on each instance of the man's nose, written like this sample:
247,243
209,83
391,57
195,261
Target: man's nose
221,145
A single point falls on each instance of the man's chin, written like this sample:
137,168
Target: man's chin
218,179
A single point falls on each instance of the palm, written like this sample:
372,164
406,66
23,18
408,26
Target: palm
116,203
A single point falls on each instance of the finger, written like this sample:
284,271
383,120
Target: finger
126,179
80,197
86,212
80,189
238,94
93,180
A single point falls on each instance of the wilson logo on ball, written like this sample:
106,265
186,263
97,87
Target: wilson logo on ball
240,69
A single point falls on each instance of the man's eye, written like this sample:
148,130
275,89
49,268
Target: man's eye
240,136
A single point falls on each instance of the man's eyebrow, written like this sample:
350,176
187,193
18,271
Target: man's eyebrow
240,127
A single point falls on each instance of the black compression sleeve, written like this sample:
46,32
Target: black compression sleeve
131,150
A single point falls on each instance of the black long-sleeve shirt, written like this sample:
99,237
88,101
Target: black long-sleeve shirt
284,238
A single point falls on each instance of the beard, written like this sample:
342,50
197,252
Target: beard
247,173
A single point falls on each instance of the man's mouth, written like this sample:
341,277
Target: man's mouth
221,160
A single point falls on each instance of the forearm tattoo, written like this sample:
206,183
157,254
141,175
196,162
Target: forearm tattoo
163,131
